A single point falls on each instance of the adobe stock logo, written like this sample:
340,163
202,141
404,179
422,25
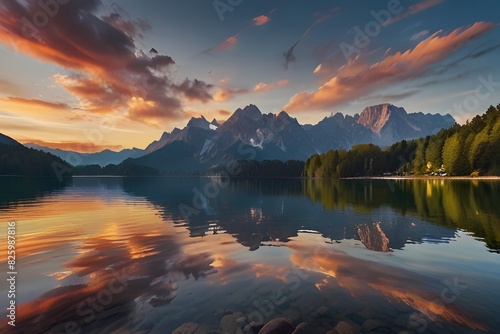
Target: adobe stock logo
363,37
48,9
225,6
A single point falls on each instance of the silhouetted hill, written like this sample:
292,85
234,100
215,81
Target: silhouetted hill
15,159
6,140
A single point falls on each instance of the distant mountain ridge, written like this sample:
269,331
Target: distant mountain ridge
102,158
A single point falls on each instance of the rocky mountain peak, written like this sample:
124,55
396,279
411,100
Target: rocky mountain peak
165,136
251,111
199,122
284,116
280,136
376,117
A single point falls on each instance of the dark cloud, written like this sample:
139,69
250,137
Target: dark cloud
478,52
438,79
196,90
133,28
110,73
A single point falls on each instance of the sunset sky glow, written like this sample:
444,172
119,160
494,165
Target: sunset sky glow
89,75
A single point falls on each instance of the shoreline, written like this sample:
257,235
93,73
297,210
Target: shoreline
413,177
423,177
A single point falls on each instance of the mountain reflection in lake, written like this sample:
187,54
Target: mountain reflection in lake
137,255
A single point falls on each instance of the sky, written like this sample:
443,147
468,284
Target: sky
89,75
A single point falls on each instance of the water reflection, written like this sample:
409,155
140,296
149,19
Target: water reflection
462,204
19,189
366,280
374,238
118,255
113,277
270,210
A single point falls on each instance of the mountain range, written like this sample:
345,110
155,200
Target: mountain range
102,158
251,135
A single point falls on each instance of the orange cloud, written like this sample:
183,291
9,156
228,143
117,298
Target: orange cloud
37,109
107,67
227,93
358,78
421,6
75,146
224,94
261,20
261,87
228,44
232,40
36,103
150,111
224,113
275,272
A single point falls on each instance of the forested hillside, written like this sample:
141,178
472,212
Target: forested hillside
473,148
22,161
265,168
462,150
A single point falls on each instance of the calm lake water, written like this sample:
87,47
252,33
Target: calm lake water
148,255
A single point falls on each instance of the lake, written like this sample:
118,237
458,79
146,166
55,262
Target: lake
149,255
